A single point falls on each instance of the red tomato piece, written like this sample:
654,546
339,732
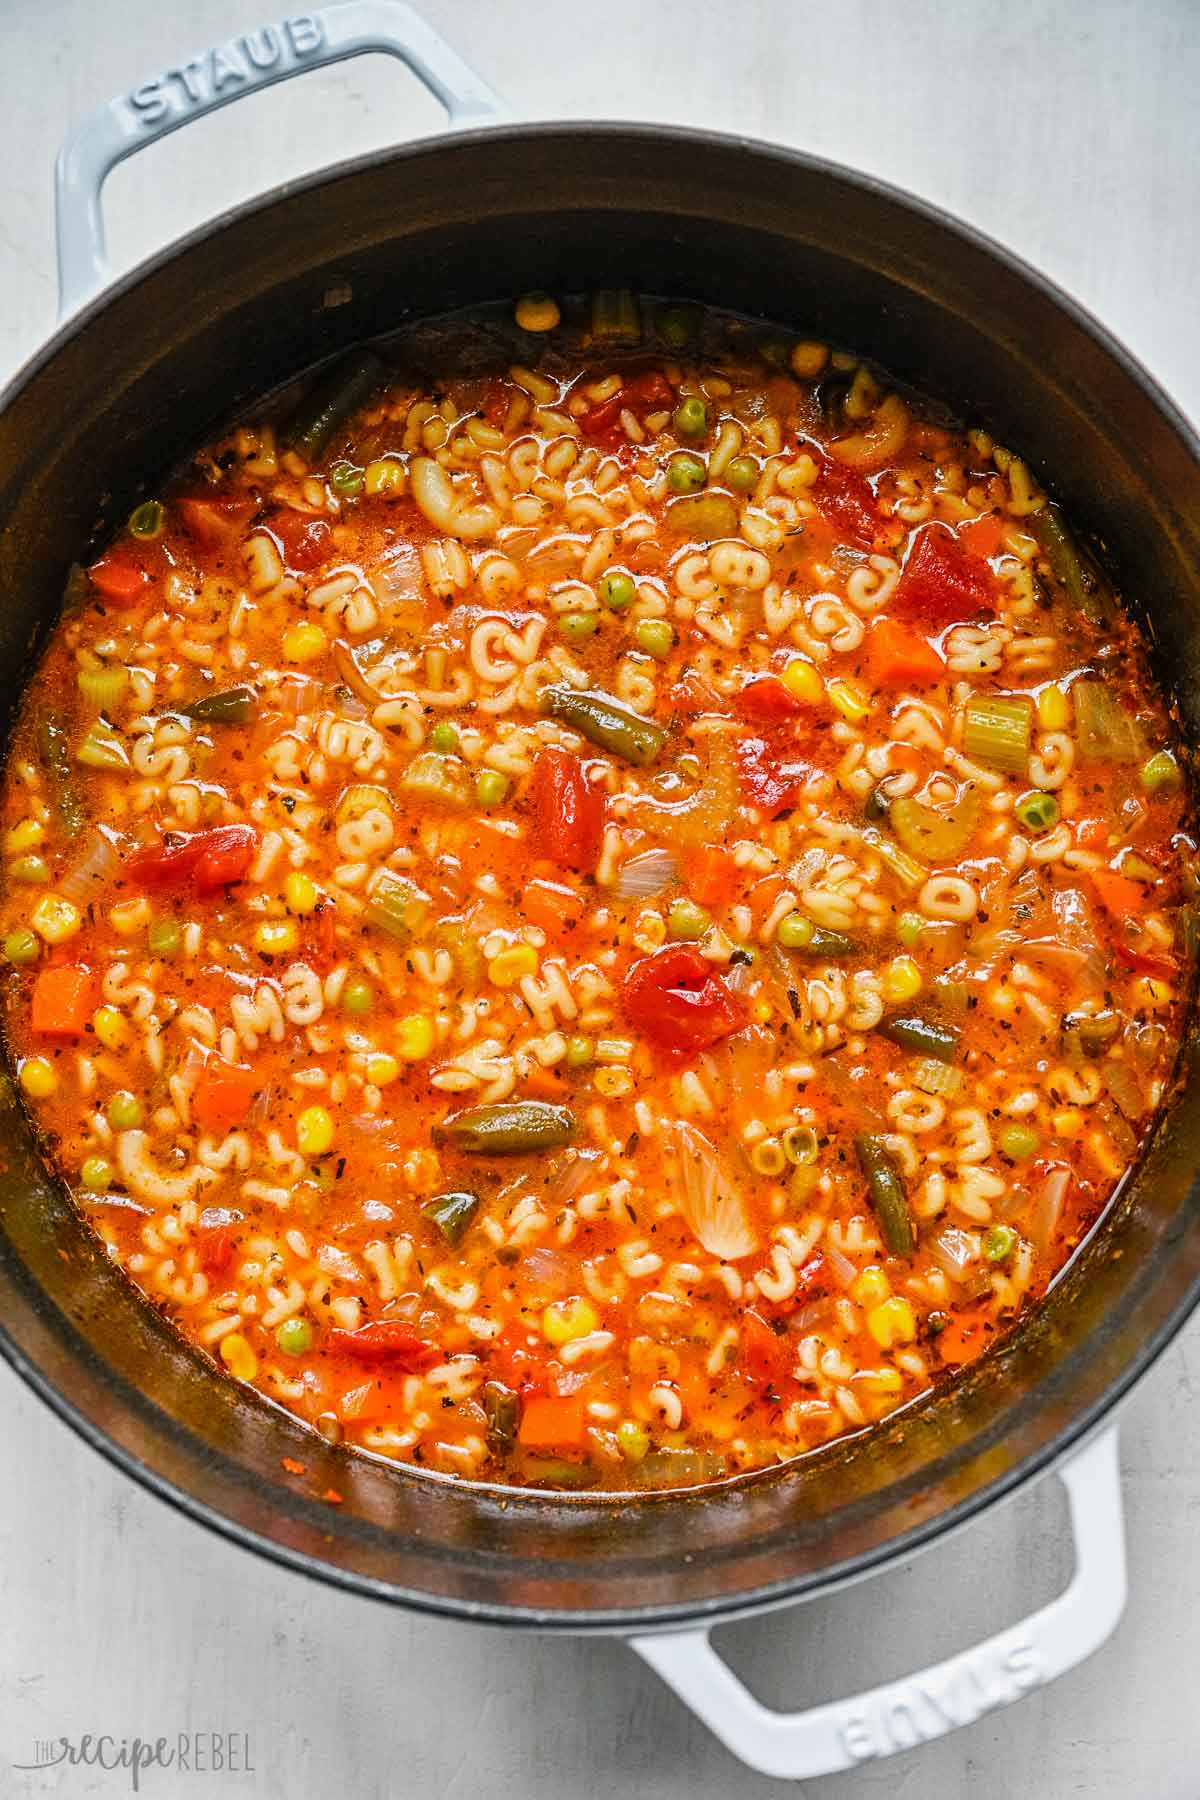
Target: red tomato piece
772,786
552,905
846,500
650,391
119,578
387,1341
568,812
603,421
712,875
202,860
305,541
942,583
982,536
214,1247
766,1356
214,519
223,1095
692,694
677,1000
765,700
62,1001
1164,968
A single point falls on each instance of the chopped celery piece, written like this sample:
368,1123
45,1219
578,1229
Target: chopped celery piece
933,1077
1104,731
104,687
903,866
397,905
615,316
703,516
102,748
997,729
443,778
936,836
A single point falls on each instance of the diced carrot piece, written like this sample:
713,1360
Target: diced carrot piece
544,1084
553,1422
223,1095
982,536
214,521
1092,834
1118,894
962,1341
897,655
118,578
552,905
764,894
712,875
63,997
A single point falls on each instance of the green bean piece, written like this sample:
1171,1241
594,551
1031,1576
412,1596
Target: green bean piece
511,1128
452,1213
54,750
503,1409
615,316
1161,774
606,723
556,1471
233,706
1083,590
340,391
887,1194
798,933
1091,1034
922,1035
397,905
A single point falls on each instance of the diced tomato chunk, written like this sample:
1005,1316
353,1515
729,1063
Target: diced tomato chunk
1118,894
677,1000
712,875
214,519
942,582
603,421
201,861
765,700
63,998
767,1357
771,785
306,541
223,1095
982,536
568,812
846,500
387,1341
119,578
553,906
1163,968
214,1247
649,391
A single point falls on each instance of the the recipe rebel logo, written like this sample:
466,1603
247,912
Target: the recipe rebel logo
186,1753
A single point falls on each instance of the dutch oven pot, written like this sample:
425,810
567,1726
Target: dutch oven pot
143,372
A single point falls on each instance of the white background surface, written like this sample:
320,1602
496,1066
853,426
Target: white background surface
1071,132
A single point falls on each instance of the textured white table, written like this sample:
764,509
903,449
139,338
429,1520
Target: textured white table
1068,131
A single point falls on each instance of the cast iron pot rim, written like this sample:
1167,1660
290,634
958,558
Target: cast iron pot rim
992,1492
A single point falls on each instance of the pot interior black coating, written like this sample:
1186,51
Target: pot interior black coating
124,392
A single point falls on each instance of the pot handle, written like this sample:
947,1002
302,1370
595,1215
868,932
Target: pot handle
901,1714
216,77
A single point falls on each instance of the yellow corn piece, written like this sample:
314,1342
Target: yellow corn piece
1068,1123
808,358
800,678
882,1381
901,980
37,1077
1052,710
24,836
276,937
537,312
384,478
382,1069
314,1131
871,1287
238,1357
634,1440
301,893
414,1037
849,699
507,968
111,1027
304,643
567,1319
612,1083
55,919
892,1322
128,917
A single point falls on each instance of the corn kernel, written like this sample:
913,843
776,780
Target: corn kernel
871,1287
507,968
1052,709
314,1131
761,1011
384,477
37,1077
849,699
128,917
634,1440
238,1357
537,312
382,1069
565,1320
882,1381
276,937
801,679
612,1083
24,836
304,643
414,1037
55,919
1068,1123
892,1322
808,358
901,980
111,1027
301,893
1151,993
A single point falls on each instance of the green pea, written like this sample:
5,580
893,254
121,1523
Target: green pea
742,474
795,931
294,1337
767,1157
687,920
164,938
999,1242
33,869
443,738
689,766
686,473
1038,811
617,590
578,627
800,1145
96,1175
491,787
655,637
676,326
146,520
691,417
579,1052
909,927
1019,1142
358,996
21,947
346,479
124,1111
1162,774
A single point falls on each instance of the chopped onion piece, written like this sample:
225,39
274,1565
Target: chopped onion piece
647,874
709,1201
